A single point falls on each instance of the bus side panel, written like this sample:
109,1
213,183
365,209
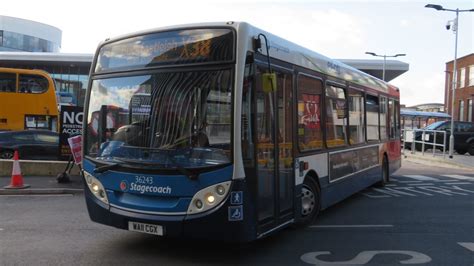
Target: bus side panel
341,173
12,112
394,155
344,188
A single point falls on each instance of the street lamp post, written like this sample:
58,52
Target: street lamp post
384,61
455,71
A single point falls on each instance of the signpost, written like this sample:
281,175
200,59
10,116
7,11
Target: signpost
70,125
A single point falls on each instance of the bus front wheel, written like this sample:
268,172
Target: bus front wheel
310,201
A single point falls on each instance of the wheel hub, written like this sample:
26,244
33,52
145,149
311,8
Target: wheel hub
307,201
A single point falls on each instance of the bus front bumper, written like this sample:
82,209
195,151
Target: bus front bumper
212,225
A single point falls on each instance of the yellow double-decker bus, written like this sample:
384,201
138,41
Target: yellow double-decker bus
27,100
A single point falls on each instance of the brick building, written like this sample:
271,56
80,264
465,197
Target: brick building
464,94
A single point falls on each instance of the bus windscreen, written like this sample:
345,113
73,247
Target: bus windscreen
167,48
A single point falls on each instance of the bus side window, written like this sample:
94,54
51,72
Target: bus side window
336,116
7,82
383,117
372,114
310,135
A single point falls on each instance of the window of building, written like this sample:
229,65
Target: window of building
27,43
356,117
462,77
461,110
32,84
7,82
469,110
336,116
383,117
372,109
310,136
471,75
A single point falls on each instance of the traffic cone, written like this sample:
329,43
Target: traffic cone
17,179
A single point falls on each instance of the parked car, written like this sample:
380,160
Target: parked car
31,144
463,136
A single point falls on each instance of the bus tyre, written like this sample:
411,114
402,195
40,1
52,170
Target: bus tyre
310,201
385,173
6,154
471,148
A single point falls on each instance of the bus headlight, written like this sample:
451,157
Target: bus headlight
209,197
96,187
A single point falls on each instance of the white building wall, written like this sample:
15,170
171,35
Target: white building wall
31,28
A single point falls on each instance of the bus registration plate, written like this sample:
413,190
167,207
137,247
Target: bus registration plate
146,228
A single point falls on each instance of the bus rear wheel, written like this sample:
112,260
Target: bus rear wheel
310,201
385,173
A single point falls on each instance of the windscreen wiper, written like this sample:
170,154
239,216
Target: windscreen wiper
178,167
106,167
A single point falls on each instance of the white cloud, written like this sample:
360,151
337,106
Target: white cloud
405,23
416,89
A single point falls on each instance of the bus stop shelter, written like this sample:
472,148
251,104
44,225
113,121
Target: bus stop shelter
417,119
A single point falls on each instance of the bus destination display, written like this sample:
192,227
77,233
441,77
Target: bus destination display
165,48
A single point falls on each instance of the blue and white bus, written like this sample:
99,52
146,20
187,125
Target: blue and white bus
226,131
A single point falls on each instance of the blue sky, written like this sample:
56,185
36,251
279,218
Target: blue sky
338,29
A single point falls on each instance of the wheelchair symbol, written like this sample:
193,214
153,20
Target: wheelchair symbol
236,213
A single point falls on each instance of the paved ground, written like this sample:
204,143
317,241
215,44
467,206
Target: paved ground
438,158
43,185
424,217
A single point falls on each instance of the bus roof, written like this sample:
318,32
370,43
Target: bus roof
23,71
284,50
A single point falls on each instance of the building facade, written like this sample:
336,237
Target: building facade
24,35
33,45
464,93
427,107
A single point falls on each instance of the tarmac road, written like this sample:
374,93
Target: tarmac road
424,217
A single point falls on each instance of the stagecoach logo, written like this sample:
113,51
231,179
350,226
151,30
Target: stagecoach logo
143,188
124,185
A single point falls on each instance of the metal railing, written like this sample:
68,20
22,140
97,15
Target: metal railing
409,136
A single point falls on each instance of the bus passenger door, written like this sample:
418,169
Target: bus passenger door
275,175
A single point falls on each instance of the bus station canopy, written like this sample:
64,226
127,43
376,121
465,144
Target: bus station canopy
393,68
411,113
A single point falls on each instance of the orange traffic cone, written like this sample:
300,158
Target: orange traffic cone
17,179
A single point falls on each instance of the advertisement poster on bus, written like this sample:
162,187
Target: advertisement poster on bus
309,111
70,125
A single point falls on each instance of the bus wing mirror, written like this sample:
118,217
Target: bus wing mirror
269,82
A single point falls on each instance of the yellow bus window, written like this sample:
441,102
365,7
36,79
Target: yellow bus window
7,82
32,84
